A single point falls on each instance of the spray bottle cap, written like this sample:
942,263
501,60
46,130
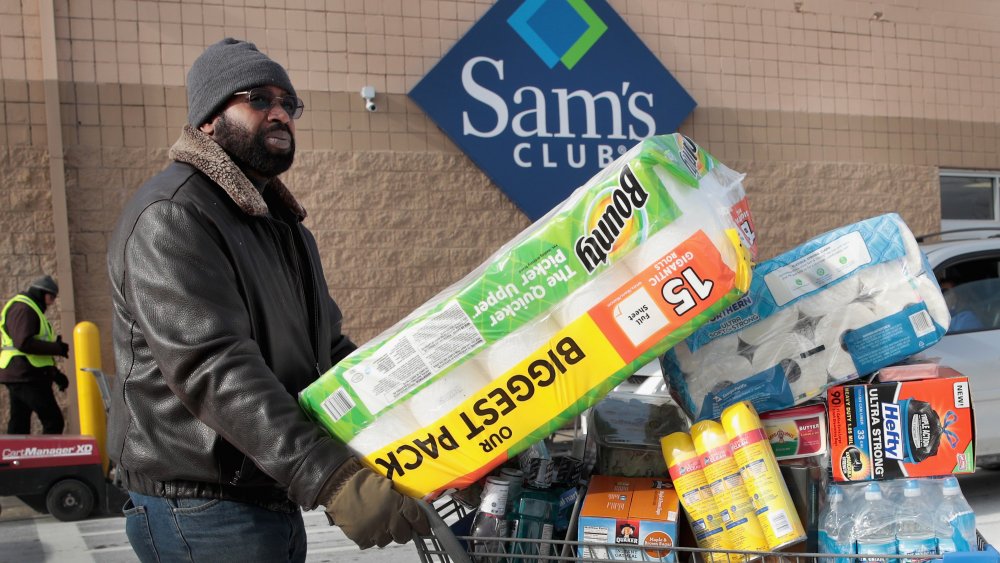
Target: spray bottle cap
912,488
873,492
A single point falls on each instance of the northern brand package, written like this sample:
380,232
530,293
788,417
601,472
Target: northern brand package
845,303
890,430
628,512
629,265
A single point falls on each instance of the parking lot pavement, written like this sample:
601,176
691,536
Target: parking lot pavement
29,537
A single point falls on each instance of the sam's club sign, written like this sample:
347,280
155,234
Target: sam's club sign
542,94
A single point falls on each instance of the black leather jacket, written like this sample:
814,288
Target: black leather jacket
221,316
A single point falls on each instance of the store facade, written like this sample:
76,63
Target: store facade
835,113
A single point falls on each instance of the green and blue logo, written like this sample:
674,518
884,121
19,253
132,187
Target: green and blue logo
543,94
558,30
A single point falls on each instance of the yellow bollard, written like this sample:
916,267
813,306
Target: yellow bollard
87,353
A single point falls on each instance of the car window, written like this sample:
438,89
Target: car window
972,291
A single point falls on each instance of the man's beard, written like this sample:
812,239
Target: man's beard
250,151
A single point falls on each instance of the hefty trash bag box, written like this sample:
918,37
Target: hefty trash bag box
630,264
628,512
843,304
881,431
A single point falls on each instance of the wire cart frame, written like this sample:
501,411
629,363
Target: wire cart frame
443,546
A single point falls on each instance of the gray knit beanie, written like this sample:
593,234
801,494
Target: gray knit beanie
225,68
45,284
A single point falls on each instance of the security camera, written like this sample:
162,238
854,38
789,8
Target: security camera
368,93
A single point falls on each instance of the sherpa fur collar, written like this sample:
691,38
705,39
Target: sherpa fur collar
200,151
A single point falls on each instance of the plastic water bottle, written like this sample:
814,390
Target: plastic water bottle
915,535
875,527
836,526
489,522
954,521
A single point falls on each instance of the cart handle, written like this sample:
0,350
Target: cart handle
443,534
102,386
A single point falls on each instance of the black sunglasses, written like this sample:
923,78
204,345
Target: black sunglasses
262,99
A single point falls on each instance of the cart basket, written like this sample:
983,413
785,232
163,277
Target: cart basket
443,546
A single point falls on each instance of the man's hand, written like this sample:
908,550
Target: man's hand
368,510
63,348
60,379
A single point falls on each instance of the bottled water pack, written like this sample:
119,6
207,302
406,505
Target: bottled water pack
954,521
875,526
836,526
915,534
917,517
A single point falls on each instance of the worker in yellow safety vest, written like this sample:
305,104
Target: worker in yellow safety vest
27,358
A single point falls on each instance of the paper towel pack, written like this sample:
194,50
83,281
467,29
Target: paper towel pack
630,264
848,302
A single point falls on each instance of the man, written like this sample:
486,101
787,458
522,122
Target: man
27,360
963,319
221,316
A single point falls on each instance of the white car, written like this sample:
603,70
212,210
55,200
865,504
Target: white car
969,273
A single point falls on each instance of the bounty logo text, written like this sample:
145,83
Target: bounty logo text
592,250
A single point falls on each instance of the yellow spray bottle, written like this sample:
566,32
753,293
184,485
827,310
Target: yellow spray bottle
685,469
730,494
761,476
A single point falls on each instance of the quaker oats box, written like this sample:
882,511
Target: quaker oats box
883,431
637,515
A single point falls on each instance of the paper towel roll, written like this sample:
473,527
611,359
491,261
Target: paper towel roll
881,285
839,365
701,210
391,425
501,356
914,256
716,375
830,331
593,292
447,392
718,349
686,360
793,352
894,299
782,321
806,326
932,297
832,326
831,297
660,244
874,278
714,366
812,381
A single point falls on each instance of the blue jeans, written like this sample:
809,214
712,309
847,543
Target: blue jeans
196,530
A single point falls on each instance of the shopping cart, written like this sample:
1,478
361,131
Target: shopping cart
443,546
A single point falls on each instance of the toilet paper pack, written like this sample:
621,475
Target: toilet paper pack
848,302
631,263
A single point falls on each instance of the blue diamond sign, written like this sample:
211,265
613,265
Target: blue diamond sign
542,94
